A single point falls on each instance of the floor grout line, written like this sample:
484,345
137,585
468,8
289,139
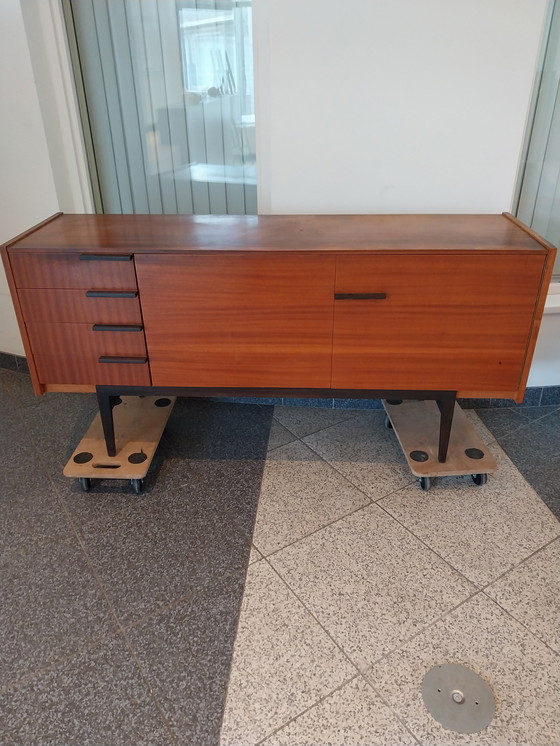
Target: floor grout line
360,673
121,630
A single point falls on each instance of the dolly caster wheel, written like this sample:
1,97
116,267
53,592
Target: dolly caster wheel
137,485
425,483
85,483
387,422
480,479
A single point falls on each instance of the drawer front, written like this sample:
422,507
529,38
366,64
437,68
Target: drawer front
86,271
459,322
76,354
80,306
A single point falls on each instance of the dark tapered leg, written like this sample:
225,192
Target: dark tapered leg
106,402
446,408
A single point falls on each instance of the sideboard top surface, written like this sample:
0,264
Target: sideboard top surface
175,233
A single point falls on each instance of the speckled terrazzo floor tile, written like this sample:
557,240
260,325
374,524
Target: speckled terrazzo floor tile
161,551
531,594
94,699
283,661
255,555
352,716
300,493
303,421
522,672
481,531
370,583
279,435
185,654
51,607
365,452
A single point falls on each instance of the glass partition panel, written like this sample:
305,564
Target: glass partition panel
167,95
539,197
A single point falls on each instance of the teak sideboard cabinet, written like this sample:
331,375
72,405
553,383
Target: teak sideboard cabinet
331,305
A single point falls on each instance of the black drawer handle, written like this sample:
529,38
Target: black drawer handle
132,360
106,257
117,327
111,294
360,296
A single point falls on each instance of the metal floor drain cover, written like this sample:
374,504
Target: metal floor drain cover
458,698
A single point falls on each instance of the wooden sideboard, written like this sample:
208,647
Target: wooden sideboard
327,305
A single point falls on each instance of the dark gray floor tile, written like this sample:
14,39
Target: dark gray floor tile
105,497
7,738
288,402
266,401
29,508
279,436
51,607
57,423
205,429
20,389
96,698
551,395
532,397
502,421
535,413
476,403
501,403
22,364
535,450
358,404
162,550
55,426
225,487
185,653
7,361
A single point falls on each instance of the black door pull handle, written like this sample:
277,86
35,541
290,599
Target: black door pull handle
360,296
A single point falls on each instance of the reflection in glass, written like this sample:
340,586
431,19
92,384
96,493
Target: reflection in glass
168,89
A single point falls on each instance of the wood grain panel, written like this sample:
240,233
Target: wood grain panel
48,270
448,322
170,233
69,354
55,305
238,320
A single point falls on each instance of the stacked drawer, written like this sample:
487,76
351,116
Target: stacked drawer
83,318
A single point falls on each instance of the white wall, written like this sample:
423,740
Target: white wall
50,59
27,190
363,106
393,105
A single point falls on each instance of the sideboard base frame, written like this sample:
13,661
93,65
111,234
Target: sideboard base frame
109,396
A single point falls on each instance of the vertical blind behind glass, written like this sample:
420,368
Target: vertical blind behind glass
539,200
168,90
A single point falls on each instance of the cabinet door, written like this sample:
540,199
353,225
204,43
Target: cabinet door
448,321
239,319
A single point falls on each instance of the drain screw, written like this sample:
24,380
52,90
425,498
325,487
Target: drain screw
457,696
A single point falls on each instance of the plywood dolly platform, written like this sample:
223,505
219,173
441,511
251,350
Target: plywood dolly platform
139,422
416,425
